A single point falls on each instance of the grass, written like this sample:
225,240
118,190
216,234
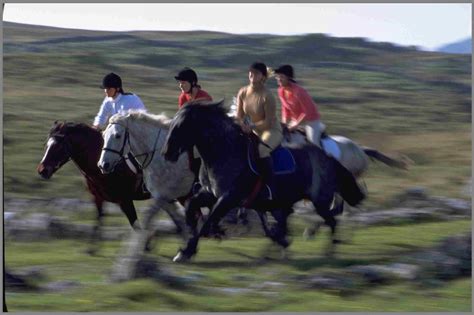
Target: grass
219,264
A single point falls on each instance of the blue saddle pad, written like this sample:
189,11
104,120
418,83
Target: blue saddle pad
283,162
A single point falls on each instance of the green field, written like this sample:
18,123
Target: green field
236,264
399,100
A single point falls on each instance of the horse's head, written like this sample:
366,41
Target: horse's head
57,151
116,144
66,141
188,124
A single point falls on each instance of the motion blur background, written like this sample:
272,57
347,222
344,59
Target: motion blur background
411,98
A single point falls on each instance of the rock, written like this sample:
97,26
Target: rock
62,285
34,273
454,206
195,276
17,282
402,271
329,282
234,291
371,274
34,227
266,285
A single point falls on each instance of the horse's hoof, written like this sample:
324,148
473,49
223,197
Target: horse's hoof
148,248
180,257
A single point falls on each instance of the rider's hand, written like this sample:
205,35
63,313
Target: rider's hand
292,126
246,128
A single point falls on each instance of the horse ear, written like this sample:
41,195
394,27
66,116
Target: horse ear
220,103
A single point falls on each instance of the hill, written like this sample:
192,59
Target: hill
460,47
365,90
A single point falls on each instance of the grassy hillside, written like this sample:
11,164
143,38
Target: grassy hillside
367,91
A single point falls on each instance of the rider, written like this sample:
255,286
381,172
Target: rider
190,90
257,102
298,108
115,101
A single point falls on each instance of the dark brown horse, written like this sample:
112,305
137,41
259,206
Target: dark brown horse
83,144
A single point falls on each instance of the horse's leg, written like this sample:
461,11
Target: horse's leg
330,220
125,266
263,220
97,229
222,206
193,208
169,207
128,208
177,219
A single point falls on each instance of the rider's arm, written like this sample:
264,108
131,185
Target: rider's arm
284,108
181,100
240,106
269,107
303,103
104,114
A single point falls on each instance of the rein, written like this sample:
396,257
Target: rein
127,138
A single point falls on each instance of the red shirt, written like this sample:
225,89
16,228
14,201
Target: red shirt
185,97
295,101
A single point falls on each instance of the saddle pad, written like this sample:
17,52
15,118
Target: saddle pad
283,162
331,148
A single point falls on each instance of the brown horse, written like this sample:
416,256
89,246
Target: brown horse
83,144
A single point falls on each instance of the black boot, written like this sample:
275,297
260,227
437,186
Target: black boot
266,169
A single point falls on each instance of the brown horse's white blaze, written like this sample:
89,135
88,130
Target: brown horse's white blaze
44,170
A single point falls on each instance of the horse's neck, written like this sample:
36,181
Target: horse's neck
85,154
223,147
146,141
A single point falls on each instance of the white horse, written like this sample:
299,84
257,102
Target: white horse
143,135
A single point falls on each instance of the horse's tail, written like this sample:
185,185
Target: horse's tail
348,186
402,163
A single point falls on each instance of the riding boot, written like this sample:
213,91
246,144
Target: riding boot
266,169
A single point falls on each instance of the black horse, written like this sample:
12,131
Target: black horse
229,182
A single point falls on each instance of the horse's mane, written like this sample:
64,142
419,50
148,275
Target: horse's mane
161,121
63,127
207,109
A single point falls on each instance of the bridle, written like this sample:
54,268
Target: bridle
67,145
148,155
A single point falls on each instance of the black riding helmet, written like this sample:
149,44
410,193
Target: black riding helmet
259,66
187,74
288,71
111,80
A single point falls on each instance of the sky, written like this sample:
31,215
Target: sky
426,25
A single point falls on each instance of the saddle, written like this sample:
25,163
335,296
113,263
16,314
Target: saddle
326,142
283,160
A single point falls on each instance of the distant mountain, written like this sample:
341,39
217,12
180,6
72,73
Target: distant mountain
460,47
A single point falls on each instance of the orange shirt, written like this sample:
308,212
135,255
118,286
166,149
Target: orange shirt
185,97
295,101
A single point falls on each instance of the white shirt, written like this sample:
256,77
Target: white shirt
121,104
